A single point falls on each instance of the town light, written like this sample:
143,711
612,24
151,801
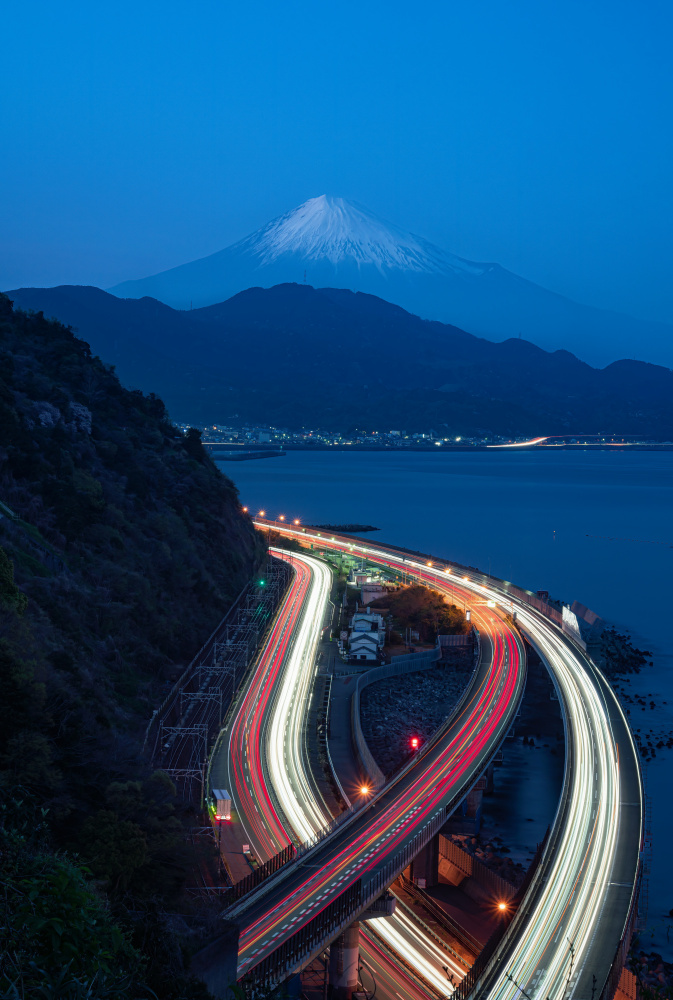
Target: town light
502,907
245,510
296,520
261,513
364,789
281,517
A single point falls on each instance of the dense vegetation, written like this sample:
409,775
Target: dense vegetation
423,610
121,546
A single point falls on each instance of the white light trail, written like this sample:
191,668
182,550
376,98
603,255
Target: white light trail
551,947
304,813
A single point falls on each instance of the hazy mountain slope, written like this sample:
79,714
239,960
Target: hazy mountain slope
335,243
298,356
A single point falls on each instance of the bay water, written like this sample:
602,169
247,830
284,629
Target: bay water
591,526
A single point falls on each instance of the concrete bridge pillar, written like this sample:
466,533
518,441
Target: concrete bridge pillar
344,956
425,866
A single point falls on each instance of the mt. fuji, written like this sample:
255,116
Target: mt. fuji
332,242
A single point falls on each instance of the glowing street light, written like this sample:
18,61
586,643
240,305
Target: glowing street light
261,513
364,789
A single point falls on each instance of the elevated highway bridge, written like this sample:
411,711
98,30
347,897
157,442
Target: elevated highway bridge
579,909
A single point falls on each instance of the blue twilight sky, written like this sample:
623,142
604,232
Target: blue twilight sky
136,136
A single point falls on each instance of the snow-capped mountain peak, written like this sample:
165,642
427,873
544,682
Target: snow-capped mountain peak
339,231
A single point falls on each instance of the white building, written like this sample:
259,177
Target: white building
364,622
364,647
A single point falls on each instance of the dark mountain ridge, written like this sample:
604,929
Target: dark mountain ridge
295,356
339,244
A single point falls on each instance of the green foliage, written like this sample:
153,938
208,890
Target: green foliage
128,549
425,611
9,592
135,841
57,939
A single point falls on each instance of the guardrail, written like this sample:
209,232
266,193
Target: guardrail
443,917
298,950
624,945
310,940
410,562
400,665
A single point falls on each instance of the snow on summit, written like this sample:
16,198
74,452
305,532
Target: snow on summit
338,231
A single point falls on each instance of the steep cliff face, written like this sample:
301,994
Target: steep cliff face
121,547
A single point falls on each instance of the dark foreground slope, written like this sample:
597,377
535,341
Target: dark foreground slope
297,356
121,546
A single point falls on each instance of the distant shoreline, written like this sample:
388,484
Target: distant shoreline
214,445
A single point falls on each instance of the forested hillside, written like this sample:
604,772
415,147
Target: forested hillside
121,546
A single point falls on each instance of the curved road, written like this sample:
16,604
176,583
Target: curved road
577,910
415,803
271,714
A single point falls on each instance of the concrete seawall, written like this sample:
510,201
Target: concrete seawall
401,665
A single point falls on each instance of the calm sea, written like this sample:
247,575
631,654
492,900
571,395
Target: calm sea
596,527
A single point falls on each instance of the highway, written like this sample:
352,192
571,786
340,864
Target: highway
362,854
577,909
266,739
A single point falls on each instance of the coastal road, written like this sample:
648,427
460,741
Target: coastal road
577,911
359,854
265,750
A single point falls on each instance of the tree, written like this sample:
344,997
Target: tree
9,592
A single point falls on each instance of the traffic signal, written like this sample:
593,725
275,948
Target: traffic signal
415,742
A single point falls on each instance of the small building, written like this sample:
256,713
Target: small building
366,622
364,647
371,592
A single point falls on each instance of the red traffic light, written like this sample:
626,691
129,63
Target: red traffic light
414,742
